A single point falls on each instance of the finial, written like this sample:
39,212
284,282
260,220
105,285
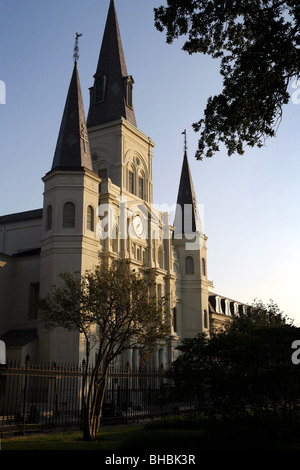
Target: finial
185,143
76,47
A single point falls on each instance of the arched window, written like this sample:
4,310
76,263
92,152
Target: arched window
189,265
49,218
203,267
159,292
161,258
141,186
205,319
159,297
128,90
131,181
115,239
69,215
175,319
103,175
90,218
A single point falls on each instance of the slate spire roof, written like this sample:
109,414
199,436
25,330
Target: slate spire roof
72,148
108,96
187,218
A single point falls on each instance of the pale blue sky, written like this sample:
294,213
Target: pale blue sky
250,203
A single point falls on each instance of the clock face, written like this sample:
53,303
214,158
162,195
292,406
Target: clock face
138,225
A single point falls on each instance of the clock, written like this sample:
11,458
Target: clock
138,225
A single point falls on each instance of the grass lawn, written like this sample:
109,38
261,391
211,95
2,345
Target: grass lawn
149,437
110,438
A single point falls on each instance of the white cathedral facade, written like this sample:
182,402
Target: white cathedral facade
98,204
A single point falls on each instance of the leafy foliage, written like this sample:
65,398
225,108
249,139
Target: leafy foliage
246,368
115,308
257,43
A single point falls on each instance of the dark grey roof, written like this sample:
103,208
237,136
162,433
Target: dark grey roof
72,149
187,210
24,253
112,65
18,338
21,216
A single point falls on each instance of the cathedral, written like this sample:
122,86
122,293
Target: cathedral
98,204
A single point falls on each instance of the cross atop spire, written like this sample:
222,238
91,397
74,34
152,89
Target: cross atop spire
111,94
76,47
185,142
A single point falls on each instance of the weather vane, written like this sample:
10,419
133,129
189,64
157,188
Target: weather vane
185,143
76,47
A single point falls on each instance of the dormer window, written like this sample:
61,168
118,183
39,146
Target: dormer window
100,85
128,90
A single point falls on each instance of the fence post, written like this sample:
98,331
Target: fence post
27,361
161,383
127,389
83,390
56,413
31,376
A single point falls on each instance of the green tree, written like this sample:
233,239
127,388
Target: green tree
257,43
258,315
114,307
246,368
191,371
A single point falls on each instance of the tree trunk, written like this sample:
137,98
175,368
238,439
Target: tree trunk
85,364
93,408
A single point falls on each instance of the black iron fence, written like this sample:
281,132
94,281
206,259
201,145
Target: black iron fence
40,397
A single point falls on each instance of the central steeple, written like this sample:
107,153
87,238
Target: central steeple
120,152
111,94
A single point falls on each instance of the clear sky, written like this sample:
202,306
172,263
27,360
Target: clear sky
249,204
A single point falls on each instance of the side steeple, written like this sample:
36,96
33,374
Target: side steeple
189,243
187,218
72,148
111,94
